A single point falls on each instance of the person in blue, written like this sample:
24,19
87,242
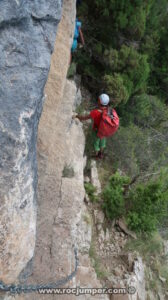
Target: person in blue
78,33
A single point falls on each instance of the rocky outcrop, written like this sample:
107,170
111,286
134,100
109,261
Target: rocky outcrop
121,267
62,218
95,178
27,34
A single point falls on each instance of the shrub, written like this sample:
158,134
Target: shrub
127,70
141,222
148,206
126,150
115,88
135,66
111,58
137,23
144,207
128,16
91,190
114,205
145,111
126,37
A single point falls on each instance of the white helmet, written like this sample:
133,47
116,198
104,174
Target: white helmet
104,99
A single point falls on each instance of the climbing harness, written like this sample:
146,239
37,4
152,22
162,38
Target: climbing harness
33,288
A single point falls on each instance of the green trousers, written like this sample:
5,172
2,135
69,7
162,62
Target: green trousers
97,142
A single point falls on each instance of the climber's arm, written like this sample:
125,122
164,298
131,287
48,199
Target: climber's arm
83,118
81,36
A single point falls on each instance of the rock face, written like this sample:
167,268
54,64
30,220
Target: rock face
62,218
27,34
95,178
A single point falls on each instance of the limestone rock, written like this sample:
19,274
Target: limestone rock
150,295
99,227
107,237
162,279
124,228
101,235
139,269
99,216
161,296
128,259
165,245
138,280
86,179
118,272
61,222
94,177
86,199
78,98
27,35
119,297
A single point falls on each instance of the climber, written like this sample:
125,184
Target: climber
78,33
102,129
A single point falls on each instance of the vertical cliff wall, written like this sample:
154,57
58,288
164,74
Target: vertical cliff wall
27,34
51,152
61,210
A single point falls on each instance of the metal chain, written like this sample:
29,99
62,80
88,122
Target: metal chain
33,288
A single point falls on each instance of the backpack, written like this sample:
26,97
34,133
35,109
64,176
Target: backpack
109,123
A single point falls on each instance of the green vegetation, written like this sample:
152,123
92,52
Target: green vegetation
127,74
72,70
126,50
114,204
91,190
144,207
148,206
147,246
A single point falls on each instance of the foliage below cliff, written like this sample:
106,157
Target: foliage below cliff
143,207
126,56
126,48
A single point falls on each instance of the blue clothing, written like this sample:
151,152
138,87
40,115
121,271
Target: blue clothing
76,35
74,45
77,26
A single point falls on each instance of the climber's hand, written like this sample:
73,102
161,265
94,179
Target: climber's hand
74,116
